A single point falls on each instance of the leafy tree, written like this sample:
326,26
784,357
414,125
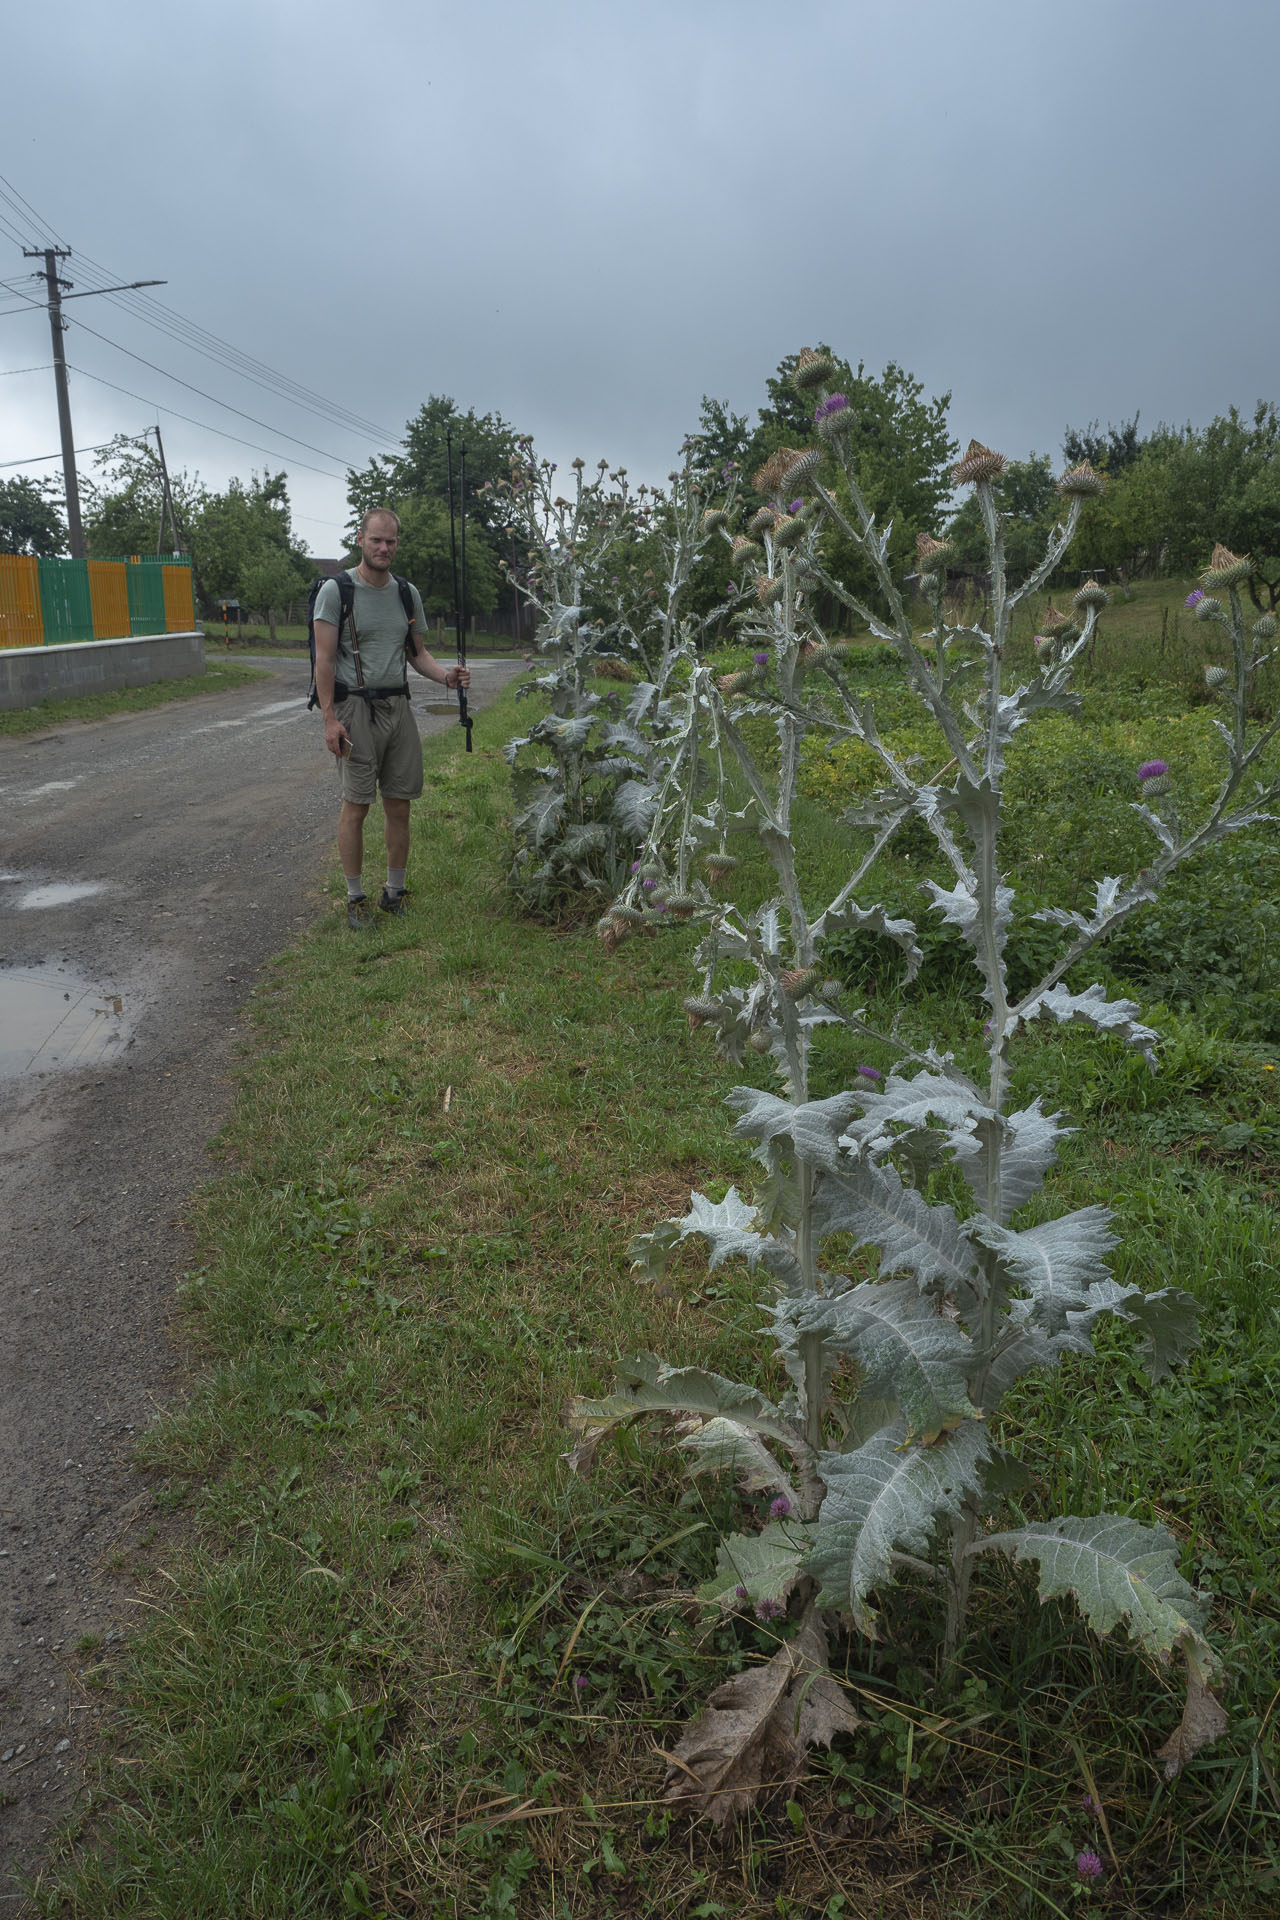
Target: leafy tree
419,473
122,512
1110,451
902,451
425,557
30,520
244,536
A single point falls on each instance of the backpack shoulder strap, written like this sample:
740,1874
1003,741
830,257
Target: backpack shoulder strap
406,601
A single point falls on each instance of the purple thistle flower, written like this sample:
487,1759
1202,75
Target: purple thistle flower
795,506
1089,1865
779,1508
1194,598
834,403
769,1609
870,1073
730,469
1152,769
581,1682
636,865
740,1593
761,659
648,885
659,906
1091,1806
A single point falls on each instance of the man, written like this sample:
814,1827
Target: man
362,685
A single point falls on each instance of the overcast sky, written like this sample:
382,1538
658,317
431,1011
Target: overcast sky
584,216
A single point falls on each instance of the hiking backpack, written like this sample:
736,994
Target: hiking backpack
347,598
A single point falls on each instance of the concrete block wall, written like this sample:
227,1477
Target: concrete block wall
31,674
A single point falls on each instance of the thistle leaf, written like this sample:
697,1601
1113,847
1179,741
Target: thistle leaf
813,1129
906,1351
728,1227
539,821
1168,1320
1203,1720
1057,1263
768,1564
871,1203
648,1385
756,1727
1116,1571
634,804
1029,1147
886,1496
1092,1007
726,1446
874,920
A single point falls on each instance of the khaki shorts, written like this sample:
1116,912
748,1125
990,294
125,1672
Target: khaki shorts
386,751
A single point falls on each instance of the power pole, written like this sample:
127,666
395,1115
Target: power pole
57,327
167,502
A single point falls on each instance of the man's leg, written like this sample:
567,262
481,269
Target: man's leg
397,835
351,846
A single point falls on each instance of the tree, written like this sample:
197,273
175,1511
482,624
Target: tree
244,537
30,521
419,473
425,557
901,444
123,512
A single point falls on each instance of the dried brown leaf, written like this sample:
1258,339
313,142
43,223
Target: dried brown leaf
1204,1718
755,1729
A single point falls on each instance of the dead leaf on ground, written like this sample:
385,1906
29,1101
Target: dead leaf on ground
755,1729
1204,1718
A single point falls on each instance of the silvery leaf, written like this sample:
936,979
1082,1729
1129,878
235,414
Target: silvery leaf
648,1385
1116,1571
1093,1009
905,1350
871,1203
768,1564
872,920
1057,1262
886,1497
1027,1151
1168,1320
633,807
1161,829
813,1129
726,1446
539,821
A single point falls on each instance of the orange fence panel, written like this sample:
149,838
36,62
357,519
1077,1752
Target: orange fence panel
109,596
179,607
21,621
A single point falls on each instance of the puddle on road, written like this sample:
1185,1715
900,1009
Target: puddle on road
59,893
52,1018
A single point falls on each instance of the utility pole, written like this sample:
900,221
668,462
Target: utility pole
57,327
167,502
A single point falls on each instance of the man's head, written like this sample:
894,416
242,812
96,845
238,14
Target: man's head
378,538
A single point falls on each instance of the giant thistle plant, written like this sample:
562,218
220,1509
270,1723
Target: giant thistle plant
585,774
881,1457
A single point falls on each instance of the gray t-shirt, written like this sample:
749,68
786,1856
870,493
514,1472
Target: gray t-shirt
380,628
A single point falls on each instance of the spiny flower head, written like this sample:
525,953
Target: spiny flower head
713,519
979,463
812,370
1226,569
802,469
768,478
1091,594
872,1075
828,408
931,553
1194,598
1152,769
1264,627
1084,481
769,1609
761,659
761,520
721,865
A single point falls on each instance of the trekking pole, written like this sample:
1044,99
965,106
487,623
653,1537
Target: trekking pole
459,591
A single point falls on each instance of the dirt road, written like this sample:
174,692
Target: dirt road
149,865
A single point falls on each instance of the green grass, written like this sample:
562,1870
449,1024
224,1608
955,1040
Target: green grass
220,676
359,1691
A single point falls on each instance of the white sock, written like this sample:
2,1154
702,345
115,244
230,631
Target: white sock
395,879
355,887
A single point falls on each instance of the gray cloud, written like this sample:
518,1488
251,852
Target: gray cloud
585,217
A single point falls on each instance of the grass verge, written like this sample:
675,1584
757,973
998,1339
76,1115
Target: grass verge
220,676
401,1664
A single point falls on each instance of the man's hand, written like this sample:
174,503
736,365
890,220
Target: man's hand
458,677
336,737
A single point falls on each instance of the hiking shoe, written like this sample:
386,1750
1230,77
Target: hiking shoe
359,914
392,902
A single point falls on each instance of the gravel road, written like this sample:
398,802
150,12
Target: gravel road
149,866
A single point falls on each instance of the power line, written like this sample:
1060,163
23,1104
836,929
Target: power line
212,398
273,453
189,333
39,459
7,372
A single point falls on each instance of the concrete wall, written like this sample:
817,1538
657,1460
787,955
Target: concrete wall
31,674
